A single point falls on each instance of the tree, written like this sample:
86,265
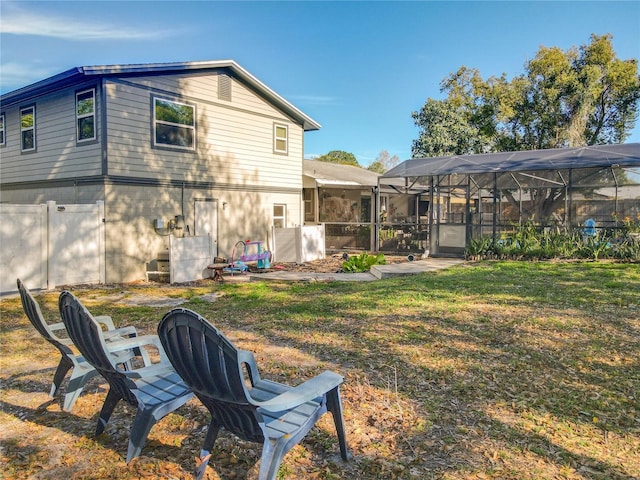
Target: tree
339,156
383,162
582,96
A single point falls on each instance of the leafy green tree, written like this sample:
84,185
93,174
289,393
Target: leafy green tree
339,156
383,162
582,96
446,130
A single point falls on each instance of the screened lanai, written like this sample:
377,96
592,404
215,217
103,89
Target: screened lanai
446,201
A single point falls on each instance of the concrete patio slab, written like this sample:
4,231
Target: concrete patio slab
377,272
413,268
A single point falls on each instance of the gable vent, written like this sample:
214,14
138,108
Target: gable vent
224,87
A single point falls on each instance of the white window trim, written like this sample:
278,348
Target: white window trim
86,115
3,141
282,217
22,149
276,138
182,125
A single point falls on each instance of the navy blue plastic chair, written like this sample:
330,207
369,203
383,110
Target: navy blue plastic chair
155,390
227,382
81,370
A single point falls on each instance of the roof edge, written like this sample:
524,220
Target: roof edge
77,74
624,154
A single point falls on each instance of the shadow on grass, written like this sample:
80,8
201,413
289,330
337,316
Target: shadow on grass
507,372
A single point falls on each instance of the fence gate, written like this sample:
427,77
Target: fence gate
76,244
50,245
23,246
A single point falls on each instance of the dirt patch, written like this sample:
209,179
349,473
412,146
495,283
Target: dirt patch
144,300
330,264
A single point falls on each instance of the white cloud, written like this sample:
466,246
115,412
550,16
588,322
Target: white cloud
18,21
12,74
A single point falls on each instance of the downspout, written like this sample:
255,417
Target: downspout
104,149
103,131
182,201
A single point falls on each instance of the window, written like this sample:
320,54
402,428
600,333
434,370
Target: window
279,215
28,128
2,134
309,195
86,115
174,124
280,139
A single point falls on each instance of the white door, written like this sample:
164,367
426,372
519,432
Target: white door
206,221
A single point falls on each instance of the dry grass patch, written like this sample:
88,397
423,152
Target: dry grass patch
496,370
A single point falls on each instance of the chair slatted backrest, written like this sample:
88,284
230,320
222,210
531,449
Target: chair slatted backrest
208,363
86,334
34,314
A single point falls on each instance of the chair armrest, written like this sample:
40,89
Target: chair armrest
133,342
118,333
246,357
149,371
309,390
106,321
57,326
138,342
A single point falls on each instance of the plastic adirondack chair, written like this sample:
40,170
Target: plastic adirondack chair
277,415
155,390
81,371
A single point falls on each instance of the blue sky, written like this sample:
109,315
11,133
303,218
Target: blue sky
357,68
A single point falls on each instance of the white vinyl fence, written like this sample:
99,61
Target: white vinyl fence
299,244
50,245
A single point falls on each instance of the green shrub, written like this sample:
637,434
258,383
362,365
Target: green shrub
363,262
479,247
527,242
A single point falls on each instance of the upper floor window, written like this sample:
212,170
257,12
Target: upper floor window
280,139
86,115
2,134
28,129
279,215
174,124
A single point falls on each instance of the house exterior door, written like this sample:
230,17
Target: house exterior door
206,221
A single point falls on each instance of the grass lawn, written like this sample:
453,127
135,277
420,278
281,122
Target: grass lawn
510,370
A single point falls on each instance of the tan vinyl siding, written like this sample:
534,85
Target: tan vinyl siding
234,144
130,210
57,156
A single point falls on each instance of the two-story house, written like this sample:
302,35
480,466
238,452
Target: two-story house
172,148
